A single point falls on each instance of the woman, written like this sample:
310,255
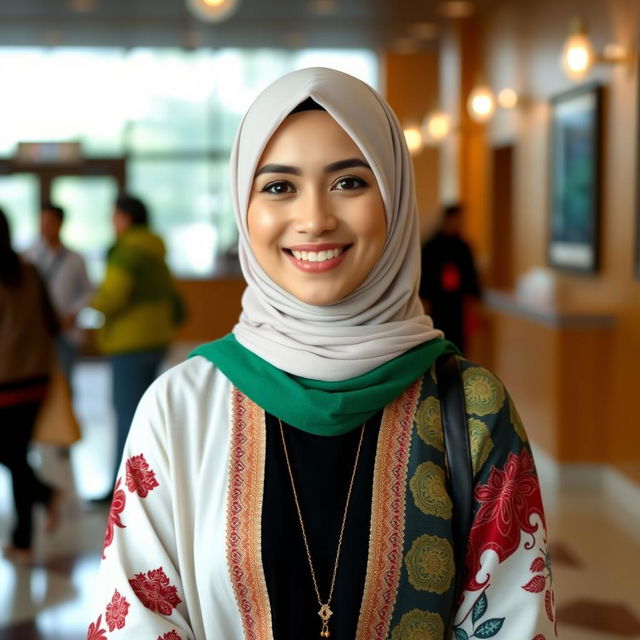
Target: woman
287,481
28,325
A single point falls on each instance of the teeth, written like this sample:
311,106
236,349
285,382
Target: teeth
317,256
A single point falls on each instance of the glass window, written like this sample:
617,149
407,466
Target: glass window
19,199
173,113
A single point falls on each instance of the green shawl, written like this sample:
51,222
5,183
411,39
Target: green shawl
316,406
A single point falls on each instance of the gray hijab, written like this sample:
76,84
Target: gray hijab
383,317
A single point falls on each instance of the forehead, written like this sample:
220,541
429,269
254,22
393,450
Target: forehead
310,133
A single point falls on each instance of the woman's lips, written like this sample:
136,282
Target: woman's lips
316,258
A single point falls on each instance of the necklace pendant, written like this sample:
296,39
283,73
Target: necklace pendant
325,613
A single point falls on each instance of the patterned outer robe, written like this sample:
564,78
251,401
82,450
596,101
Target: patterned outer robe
182,548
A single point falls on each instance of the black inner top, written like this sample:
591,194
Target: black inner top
322,467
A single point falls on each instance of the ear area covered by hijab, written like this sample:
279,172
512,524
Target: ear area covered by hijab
383,317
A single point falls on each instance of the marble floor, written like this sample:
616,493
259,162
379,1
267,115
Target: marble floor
595,544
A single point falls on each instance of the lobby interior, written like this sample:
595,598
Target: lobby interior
559,326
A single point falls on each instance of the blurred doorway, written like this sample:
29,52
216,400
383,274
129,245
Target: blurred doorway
501,266
85,188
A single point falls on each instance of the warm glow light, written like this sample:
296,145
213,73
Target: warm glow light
577,53
436,126
577,56
414,139
507,98
212,10
481,103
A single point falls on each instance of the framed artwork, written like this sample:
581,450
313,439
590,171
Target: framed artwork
575,179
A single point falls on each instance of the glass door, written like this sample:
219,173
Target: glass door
88,203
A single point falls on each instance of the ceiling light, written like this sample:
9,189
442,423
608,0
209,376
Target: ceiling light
481,104
507,98
213,10
413,137
436,126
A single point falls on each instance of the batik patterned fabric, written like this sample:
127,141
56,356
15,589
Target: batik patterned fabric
507,588
182,559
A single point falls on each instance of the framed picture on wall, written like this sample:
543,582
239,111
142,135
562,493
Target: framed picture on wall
575,179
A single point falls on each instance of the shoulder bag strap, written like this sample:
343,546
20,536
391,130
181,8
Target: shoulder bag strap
459,470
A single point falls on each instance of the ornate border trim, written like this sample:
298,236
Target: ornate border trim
388,516
244,516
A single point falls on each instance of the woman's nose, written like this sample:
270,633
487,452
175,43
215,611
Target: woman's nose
314,215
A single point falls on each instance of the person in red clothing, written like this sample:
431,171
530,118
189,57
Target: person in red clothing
449,285
28,326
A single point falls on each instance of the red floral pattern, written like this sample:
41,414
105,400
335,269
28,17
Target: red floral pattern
155,592
507,502
117,611
172,635
118,504
140,479
95,631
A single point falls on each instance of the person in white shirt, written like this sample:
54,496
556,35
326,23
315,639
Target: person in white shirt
65,275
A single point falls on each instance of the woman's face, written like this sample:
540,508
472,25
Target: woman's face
316,217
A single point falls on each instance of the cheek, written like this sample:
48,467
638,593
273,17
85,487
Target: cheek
263,225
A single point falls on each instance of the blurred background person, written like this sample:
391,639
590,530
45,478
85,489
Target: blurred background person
28,325
141,307
449,285
65,275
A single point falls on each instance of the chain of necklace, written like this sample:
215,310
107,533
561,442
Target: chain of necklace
325,612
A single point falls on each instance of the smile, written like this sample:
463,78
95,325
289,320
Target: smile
317,256
316,260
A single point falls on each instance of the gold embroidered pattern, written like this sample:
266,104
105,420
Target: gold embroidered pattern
480,443
430,564
384,563
484,394
419,625
244,521
429,422
514,416
429,492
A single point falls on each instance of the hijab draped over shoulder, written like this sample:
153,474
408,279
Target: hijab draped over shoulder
383,317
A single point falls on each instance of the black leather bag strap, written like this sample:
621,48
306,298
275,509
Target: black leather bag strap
459,471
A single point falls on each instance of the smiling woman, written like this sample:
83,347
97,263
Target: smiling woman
295,475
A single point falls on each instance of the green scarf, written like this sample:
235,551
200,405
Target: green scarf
315,406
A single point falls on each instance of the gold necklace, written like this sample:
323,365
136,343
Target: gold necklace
325,612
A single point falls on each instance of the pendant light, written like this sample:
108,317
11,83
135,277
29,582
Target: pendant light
213,10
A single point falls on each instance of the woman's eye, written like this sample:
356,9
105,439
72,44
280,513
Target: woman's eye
348,183
278,188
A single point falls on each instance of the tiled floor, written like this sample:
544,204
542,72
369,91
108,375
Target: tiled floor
595,546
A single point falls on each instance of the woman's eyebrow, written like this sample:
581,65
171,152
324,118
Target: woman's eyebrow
346,164
278,168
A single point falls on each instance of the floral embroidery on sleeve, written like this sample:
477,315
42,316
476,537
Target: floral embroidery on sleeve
140,478
117,611
117,507
172,635
155,592
95,631
507,502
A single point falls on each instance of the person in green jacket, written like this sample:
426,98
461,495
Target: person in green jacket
141,308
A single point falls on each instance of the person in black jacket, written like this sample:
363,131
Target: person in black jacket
449,280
